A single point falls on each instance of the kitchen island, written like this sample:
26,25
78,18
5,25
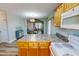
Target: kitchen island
34,45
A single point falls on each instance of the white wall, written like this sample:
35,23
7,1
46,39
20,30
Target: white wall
3,27
13,22
45,26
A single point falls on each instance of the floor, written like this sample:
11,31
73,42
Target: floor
8,49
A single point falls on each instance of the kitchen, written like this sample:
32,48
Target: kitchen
57,36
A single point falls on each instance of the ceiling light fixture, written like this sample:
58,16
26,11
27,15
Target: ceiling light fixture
32,15
32,20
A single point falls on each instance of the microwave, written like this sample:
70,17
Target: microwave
70,19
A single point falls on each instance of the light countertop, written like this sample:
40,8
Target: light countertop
37,37
70,48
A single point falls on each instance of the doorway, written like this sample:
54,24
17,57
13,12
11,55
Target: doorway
49,27
35,26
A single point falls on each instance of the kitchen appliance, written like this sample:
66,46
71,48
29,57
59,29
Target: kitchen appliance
70,19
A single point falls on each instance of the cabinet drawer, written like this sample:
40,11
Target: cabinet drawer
44,44
26,44
30,44
33,44
20,44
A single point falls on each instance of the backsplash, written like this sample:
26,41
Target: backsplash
64,31
67,32
62,37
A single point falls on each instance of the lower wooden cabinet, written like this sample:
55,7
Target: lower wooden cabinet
23,51
44,44
44,51
33,48
32,51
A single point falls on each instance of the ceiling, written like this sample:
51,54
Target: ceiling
29,10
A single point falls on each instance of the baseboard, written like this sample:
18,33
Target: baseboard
11,41
2,41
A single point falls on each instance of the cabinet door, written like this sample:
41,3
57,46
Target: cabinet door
57,16
72,5
23,51
57,21
68,6
45,51
33,51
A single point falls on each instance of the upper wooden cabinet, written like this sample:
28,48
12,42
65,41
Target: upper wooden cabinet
68,6
70,19
61,9
57,15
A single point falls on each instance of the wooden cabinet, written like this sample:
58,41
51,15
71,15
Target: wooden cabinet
68,6
55,18
31,48
44,51
44,44
57,15
61,9
23,44
33,51
23,51
70,19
